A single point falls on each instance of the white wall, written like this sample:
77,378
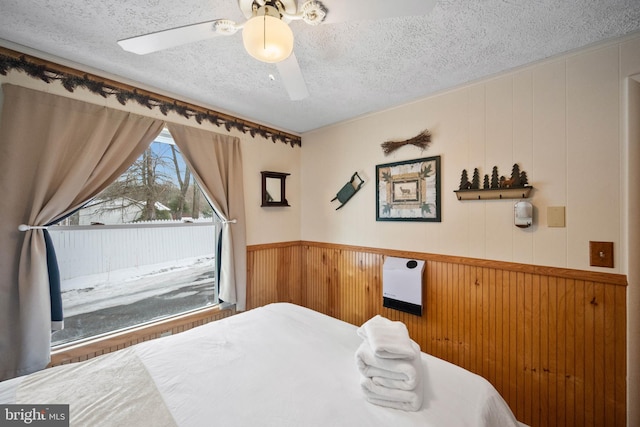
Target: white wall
632,126
272,224
572,123
560,120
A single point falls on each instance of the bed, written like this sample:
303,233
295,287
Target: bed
277,365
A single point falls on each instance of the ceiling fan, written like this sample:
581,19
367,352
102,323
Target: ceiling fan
266,33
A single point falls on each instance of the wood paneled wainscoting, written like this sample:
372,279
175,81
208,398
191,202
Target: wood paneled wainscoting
551,340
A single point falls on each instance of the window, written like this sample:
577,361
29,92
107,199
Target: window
142,250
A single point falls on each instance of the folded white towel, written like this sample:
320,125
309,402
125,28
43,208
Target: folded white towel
406,400
388,339
395,373
396,384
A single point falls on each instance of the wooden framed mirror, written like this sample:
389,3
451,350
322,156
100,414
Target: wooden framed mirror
273,189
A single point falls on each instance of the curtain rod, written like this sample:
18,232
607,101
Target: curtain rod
71,79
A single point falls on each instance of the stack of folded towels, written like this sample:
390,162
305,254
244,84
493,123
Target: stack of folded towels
390,365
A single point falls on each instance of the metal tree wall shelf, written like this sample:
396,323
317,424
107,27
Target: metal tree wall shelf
494,193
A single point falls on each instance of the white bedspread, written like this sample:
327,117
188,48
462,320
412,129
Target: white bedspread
97,398
284,365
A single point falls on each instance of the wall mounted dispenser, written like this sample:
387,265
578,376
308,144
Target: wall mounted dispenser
523,214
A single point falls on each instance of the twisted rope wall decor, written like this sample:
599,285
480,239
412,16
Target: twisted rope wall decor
72,79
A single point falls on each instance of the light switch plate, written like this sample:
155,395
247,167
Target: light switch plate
601,254
555,216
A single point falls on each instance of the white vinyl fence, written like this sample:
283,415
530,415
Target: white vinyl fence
89,250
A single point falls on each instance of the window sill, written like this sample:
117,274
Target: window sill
96,346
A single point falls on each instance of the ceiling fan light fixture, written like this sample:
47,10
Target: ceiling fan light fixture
267,38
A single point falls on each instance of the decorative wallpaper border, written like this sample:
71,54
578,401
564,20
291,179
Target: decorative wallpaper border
72,79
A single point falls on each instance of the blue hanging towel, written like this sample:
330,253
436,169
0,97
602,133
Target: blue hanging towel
57,317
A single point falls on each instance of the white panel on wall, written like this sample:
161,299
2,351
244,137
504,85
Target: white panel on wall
499,152
630,57
451,131
322,177
499,125
477,150
549,160
633,244
271,224
523,156
593,135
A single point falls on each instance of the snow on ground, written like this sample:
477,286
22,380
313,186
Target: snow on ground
90,293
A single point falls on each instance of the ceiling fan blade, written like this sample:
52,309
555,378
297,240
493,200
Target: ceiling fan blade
292,78
358,10
166,39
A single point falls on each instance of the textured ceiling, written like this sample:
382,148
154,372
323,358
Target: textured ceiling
350,68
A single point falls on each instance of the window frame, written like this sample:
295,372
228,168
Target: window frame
163,138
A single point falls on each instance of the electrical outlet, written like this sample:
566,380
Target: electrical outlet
601,254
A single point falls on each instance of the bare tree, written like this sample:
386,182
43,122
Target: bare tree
183,182
144,184
157,177
195,206
148,185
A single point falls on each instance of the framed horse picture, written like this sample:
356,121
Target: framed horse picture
408,190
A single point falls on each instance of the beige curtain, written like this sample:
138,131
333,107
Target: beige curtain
216,163
56,153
